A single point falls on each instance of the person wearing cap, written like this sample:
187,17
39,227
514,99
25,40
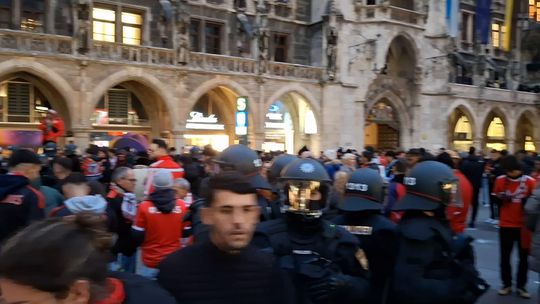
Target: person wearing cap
20,203
432,265
52,127
159,153
159,223
361,208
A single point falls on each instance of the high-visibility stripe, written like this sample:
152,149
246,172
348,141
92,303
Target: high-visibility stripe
137,228
508,24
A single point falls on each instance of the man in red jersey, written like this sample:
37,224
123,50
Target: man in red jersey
159,153
513,189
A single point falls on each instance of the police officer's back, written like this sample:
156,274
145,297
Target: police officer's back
322,259
361,208
432,265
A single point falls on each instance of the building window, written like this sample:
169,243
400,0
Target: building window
213,38
467,27
5,13
195,34
106,23
498,31
21,101
33,15
280,47
119,107
534,10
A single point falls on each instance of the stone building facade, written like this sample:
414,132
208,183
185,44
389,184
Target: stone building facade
316,73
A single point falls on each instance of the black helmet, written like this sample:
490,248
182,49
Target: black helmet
306,187
363,191
244,160
277,166
428,185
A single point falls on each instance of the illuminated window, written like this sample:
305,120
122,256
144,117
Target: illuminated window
529,144
105,23
33,15
462,134
498,35
534,10
131,28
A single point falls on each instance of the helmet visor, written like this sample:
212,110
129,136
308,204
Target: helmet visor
305,196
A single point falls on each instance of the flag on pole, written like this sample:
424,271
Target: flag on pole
452,17
483,20
509,14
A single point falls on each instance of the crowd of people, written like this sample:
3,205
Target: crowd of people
244,226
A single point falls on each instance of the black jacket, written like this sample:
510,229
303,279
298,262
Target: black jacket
473,169
139,290
125,243
432,266
377,237
20,204
204,274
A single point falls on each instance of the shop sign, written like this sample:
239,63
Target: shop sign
274,116
241,116
198,117
274,125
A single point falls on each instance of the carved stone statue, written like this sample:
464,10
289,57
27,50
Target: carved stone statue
182,44
83,25
263,36
331,51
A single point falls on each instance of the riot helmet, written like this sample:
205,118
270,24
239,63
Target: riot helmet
430,185
244,160
363,191
277,166
306,187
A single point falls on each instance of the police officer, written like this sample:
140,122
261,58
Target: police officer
274,172
432,265
362,216
244,160
322,260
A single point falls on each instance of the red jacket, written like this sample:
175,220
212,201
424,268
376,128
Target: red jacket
53,132
164,162
457,211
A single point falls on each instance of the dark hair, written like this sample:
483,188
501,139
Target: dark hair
446,159
510,163
368,154
160,143
233,181
472,150
70,248
64,162
75,178
390,153
96,188
401,166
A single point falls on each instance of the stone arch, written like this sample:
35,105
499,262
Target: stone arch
214,83
295,92
402,45
151,87
405,123
50,81
488,117
531,120
452,118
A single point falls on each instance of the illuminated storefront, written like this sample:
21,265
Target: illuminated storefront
289,124
462,136
496,136
211,121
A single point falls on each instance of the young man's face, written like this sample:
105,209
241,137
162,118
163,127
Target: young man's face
155,152
513,173
232,218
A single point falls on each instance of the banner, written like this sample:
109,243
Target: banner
483,21
508,16
452,17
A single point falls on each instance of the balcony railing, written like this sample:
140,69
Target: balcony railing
384,12
35,42
25,42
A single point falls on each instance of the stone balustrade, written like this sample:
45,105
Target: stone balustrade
25,42
493,94
385,12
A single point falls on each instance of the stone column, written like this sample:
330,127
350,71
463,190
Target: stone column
478,143
81,136
436,20
178,140
16,15
511,144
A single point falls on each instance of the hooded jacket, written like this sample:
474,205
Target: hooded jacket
20,204
163,200
88,203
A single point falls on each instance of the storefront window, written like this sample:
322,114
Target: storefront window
496,134
279,130
463,134
120,107
21,101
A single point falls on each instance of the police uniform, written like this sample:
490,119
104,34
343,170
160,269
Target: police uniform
361,208
322,260
432,266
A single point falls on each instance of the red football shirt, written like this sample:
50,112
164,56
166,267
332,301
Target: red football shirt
514,190
456,212
163,231
165,162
